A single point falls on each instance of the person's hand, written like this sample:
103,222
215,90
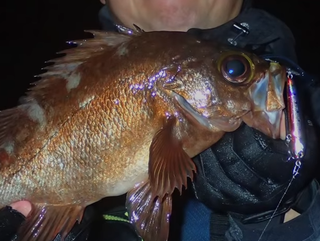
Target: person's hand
11,217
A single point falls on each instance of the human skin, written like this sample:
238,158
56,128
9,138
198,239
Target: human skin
24,207
174,15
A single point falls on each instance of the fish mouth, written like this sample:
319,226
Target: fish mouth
267,101
271,123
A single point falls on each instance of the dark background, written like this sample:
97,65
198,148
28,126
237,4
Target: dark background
33,30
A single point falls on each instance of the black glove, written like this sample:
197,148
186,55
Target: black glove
10,221
246,172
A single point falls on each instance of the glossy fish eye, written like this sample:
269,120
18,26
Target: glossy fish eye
236,69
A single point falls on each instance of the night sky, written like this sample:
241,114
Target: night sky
33,30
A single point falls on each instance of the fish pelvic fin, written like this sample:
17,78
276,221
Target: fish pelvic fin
169,164
46,221
150,215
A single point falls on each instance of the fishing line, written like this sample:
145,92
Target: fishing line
294,138
295,173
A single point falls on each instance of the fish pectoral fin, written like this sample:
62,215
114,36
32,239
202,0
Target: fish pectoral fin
150,215
169,164
46,221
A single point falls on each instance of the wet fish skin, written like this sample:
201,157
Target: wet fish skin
123,113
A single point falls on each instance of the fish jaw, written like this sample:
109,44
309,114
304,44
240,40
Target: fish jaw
267,102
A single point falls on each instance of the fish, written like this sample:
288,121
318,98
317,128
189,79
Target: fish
124,113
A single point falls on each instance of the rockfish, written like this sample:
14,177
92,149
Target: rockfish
125,113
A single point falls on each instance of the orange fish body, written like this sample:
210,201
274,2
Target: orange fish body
124,113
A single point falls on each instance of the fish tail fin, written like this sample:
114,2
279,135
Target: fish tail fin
46,221
149,214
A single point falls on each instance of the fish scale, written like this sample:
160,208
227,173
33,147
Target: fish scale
125,113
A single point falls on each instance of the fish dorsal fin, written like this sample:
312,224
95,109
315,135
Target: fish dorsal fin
60,77
85,49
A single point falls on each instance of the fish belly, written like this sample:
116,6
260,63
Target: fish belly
85,179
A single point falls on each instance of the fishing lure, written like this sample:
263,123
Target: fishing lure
295,138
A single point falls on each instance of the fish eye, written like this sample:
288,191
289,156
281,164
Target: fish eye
236,69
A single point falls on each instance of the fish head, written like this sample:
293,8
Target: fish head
224,87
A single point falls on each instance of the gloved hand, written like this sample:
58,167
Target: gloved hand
11,217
